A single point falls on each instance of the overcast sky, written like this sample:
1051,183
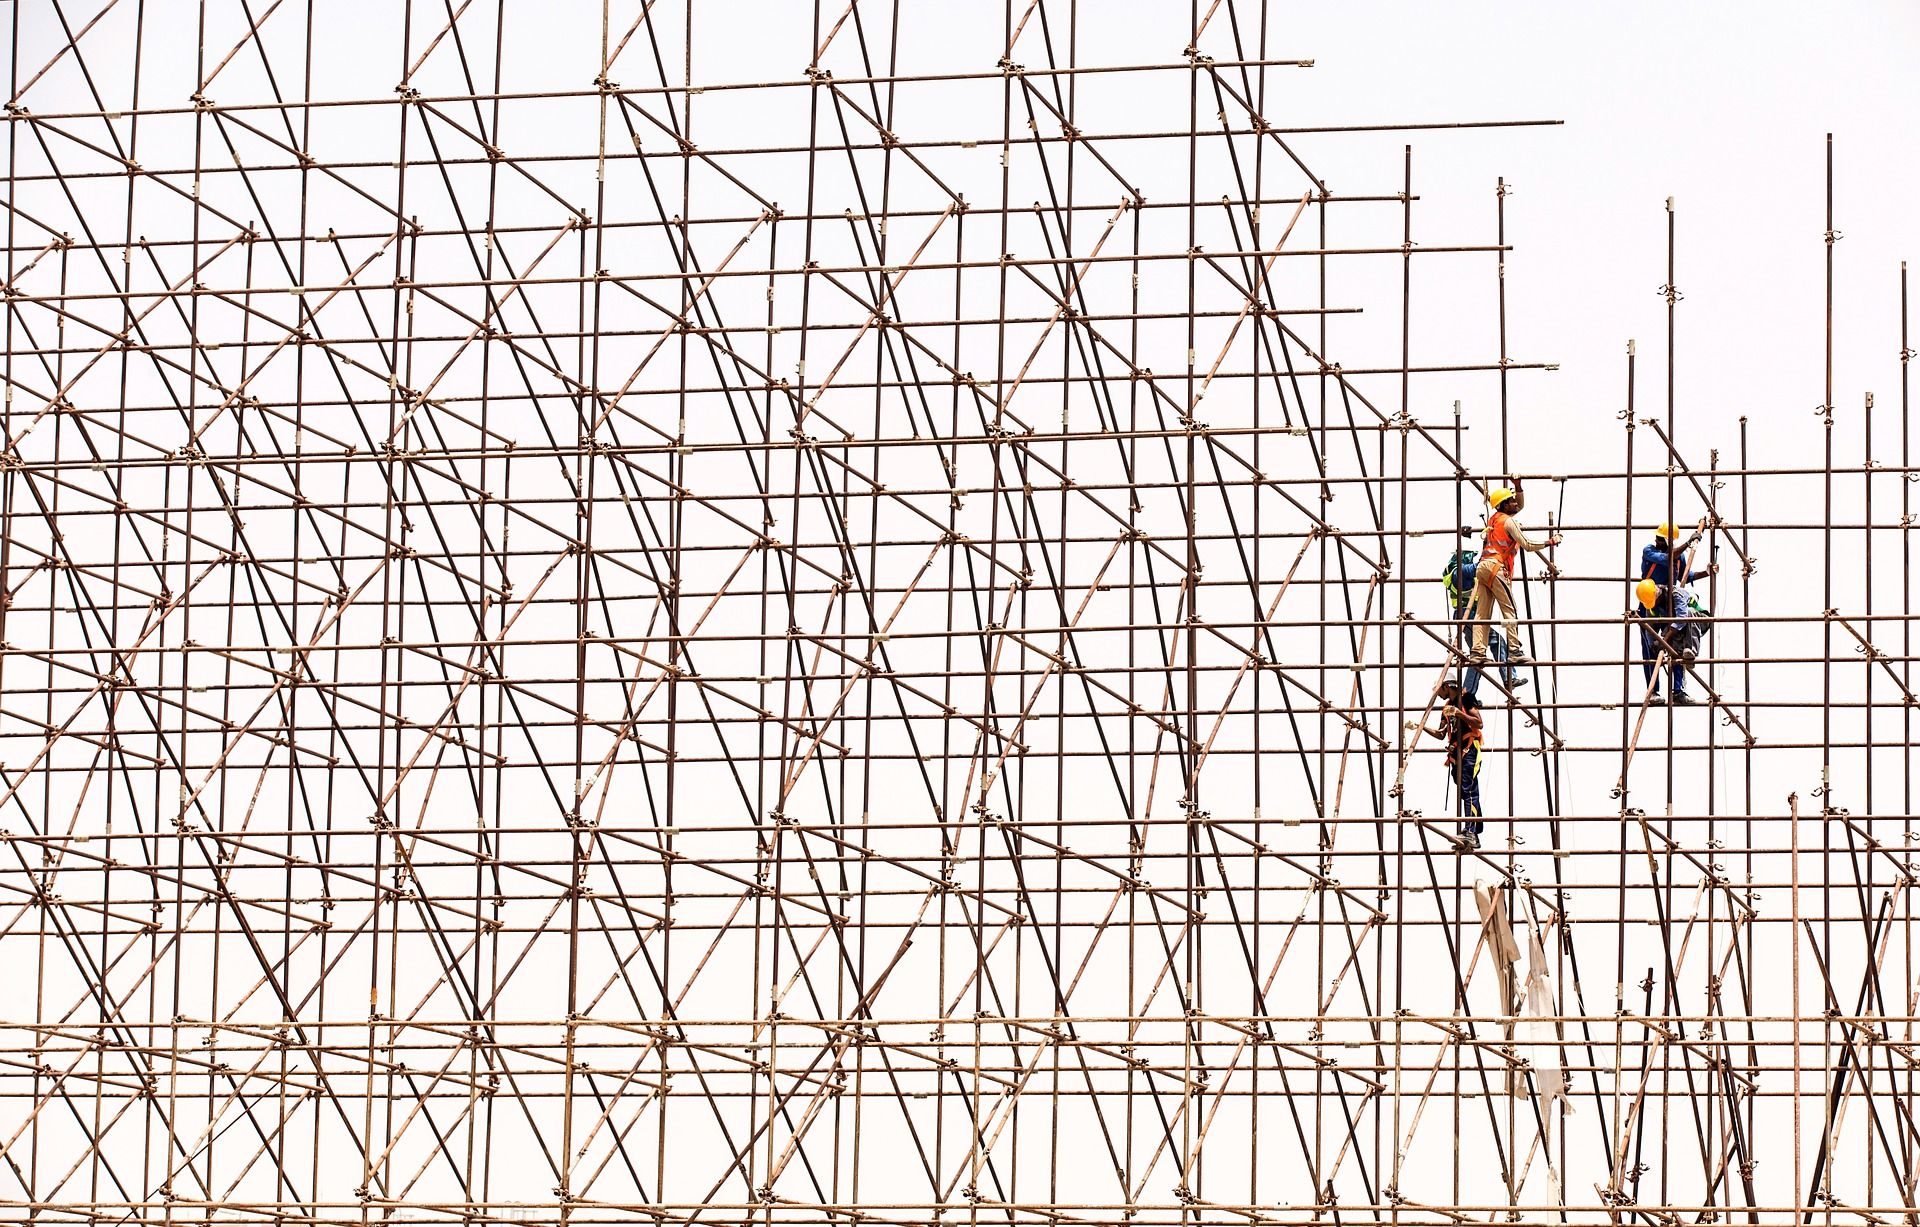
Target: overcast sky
1722,106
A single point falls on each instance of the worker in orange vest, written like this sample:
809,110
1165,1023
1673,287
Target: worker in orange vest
1493,579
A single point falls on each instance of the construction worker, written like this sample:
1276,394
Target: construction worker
1660,601
1460,725
1493,578
1458,581
1654,637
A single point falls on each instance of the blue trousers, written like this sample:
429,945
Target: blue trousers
1650,652
1496,648
1465,774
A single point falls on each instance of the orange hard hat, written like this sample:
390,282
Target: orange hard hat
1648,593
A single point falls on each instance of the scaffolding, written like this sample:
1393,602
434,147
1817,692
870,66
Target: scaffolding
589,639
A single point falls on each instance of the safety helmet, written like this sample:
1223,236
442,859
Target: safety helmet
1648,593
1663,531
1498,497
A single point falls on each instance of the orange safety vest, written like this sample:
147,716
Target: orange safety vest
1463,736
1500,542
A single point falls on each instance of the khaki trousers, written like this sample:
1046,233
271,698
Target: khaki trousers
1490,588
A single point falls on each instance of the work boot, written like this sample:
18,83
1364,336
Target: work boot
1516,682
1520,660
1682,699
1468,842
1478,659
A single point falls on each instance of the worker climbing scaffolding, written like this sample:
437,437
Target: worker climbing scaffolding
1474,586
1493,578
1672,620
1460,727
1458,579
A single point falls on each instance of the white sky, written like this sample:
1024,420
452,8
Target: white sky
1722,106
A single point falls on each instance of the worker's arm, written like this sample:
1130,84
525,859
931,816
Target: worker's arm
1686,563
1520,539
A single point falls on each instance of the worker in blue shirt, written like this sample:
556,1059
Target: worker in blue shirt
1660,562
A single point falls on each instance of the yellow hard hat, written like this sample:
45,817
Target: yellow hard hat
1648,592
1663,530
1498,497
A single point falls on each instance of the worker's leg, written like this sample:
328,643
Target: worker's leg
1649,650
1687,639
1467,776
1697,642
1482,604
1469,677
1501,588
1497,647
1675,635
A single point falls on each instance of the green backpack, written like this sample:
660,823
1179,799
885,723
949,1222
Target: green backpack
1458,578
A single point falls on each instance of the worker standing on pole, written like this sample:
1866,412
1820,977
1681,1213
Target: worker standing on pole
1493,579
1664,575
1457,581
1460,725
